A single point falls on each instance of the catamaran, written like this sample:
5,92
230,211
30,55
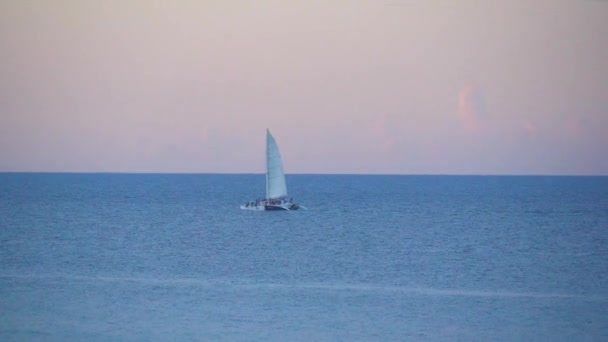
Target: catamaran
276,188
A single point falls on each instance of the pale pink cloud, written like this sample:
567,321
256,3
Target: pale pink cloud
204,134
577,127
470,107
383,134
530,128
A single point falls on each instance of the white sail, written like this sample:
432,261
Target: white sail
275,177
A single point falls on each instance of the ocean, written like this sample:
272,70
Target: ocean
171,257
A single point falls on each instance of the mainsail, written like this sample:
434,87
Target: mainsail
275,177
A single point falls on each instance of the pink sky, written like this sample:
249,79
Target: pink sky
405,87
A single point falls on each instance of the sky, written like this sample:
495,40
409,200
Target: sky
365,87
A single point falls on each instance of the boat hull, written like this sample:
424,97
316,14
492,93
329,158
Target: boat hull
285,206
253,207
288,206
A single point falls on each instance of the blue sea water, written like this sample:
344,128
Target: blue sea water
145,257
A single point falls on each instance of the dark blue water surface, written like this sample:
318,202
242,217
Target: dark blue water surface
142,257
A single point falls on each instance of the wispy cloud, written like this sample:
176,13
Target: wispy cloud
530,128
382,131
471,107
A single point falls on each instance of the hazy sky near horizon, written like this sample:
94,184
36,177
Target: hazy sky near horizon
440,87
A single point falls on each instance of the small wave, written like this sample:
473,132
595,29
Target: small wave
251,284
429,291
26,332
143,280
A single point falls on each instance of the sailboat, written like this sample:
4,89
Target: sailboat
276,188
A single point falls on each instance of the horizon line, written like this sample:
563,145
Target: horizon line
308,173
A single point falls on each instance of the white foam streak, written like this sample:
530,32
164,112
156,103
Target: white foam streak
371,288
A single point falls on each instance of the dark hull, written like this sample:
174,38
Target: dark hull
278,207
274,207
